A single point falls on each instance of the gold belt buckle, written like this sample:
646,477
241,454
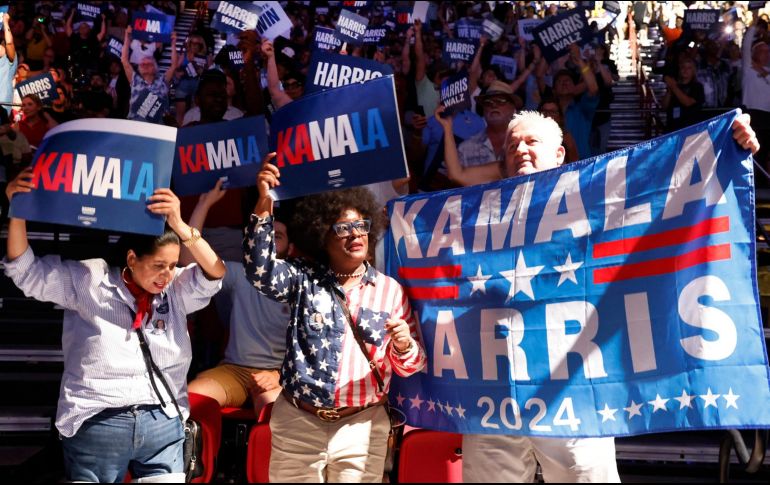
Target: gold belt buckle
328,415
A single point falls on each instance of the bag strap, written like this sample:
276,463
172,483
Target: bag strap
152,369
360,340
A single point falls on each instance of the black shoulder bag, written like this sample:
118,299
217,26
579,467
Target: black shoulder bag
193,438
396,424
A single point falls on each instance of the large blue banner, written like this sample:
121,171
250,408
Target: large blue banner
98,173
338,138
609,297
329,70
232,150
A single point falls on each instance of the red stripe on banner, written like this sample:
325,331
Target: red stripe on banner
663,239
430,272
433,293
657,267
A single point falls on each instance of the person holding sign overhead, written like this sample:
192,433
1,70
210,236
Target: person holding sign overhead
119,411
351,328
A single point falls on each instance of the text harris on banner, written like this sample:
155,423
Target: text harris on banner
580,301
330,70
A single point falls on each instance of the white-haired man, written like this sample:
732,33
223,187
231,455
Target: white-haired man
533,143
147,79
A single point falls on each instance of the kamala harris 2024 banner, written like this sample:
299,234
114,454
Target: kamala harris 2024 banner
609,297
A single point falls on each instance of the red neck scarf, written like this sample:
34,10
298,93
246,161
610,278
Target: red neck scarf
142,296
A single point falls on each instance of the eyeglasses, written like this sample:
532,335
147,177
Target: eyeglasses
292,85
345,229
495,101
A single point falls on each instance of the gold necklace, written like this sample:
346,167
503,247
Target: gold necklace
351,275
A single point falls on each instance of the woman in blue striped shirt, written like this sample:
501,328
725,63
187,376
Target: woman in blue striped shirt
114,414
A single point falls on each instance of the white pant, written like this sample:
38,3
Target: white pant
308,450
502,458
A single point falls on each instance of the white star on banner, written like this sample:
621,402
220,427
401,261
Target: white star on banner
376,317
460,410
305,390
258,285
567,270
731,399
607,413
309,371
521,278
711,399
313,350
364,324
431,405
658,403
259,271
685,400
323,365
251,243
448,408
416,402
376,334
479,282
633,409
325,344
265,252
247,258
317,403
400,399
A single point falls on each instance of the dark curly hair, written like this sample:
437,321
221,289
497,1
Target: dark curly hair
315,214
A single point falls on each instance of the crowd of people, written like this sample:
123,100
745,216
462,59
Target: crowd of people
297,343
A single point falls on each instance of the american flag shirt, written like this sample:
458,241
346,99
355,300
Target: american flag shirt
324,365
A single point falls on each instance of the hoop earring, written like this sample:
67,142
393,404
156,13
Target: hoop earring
123,276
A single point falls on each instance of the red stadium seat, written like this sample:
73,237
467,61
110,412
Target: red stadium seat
205,410
258,455
430,456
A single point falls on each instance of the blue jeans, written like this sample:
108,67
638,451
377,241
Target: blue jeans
139,439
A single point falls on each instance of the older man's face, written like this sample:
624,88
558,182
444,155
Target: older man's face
498,110
530,149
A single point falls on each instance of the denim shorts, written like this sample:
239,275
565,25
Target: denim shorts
139,439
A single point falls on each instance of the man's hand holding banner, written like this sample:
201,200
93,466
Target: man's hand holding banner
610,297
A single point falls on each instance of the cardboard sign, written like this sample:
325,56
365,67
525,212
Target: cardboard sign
114,47
458,50
493,28
420,11
329,70
454,93
375,35
526,26
87,12
149,107
273,21
42,85
152,27
555,35
98,173
325,39
507,65
206,153
469,28
351,27
610,297
338,138
701,20
235,17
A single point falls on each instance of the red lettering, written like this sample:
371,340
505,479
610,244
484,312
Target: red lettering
302,146
284,137
185,159
63,174
201,159
140,24
42,171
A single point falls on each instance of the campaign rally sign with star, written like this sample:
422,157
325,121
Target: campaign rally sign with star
609,297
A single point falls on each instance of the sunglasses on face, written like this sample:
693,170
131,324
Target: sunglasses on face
495,102
345,229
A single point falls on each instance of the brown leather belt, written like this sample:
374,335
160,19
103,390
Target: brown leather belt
329,415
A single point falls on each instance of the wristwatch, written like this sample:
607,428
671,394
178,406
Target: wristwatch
194,236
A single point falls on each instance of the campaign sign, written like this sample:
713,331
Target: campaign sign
42,85
234,57
87,12
325,39
351,27
700,20
356,4
98,173
493,28
595,299
230,149
507,65
469,28
454,93
149,107
526,26
338,138
114,46
273,21
458,50
375,35
234,18
757,5
329,70
611,7
152,27
404,18
555,35
420,11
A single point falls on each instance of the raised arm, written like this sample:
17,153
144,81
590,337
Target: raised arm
102,29
127,68
199,214
475,71
17,242
279,97
10,49
478,174
419,53
585,70
164,202
406,59
169,75
253,99
68,25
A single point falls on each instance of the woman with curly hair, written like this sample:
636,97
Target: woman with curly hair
350,329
